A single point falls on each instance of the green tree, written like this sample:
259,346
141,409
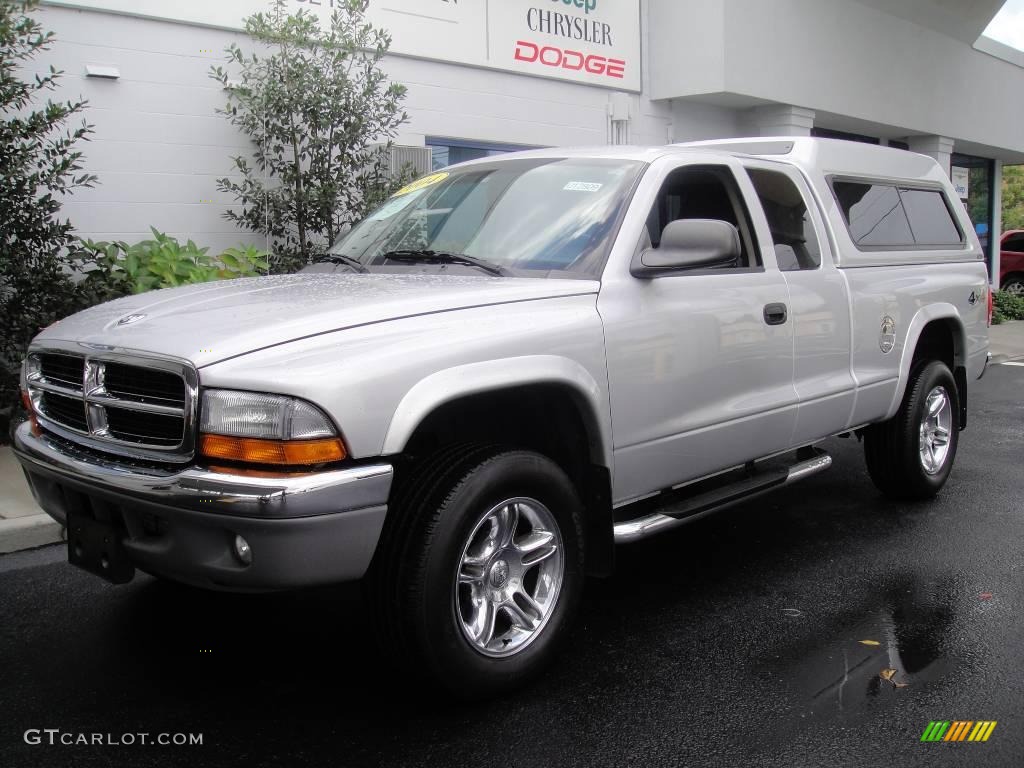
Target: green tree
323,117
39,165
1013,197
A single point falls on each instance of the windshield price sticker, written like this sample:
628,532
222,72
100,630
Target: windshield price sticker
426,181
582,186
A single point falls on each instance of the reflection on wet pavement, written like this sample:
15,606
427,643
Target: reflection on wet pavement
877,647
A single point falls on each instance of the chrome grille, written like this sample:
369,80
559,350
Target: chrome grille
119,402
154,428
145,386
65,410
63,370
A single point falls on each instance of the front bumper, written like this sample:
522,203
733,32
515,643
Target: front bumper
316,528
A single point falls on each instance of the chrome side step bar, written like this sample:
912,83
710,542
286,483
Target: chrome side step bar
698,507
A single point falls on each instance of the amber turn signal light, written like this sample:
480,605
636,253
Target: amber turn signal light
279,452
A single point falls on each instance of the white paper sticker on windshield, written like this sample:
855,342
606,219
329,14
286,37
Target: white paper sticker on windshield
582,186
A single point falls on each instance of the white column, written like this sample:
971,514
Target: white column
996,225
939,147
783,120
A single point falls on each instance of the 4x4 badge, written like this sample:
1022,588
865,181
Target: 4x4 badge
887,337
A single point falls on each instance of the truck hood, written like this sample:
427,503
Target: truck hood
216,321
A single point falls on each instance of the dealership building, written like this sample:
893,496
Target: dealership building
491,76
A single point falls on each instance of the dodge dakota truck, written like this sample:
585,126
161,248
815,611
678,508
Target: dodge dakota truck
510,368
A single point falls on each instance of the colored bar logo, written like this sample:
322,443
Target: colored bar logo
958,730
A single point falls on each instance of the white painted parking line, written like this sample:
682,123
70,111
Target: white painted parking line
1018,365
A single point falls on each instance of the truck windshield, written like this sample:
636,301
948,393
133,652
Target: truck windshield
541,215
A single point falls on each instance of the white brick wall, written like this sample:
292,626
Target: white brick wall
158,146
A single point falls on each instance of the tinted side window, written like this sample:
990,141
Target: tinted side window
874,214
929,216
704,192
796,242
888,216
1014,244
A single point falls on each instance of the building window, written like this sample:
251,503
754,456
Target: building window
979,173
827,133
447,152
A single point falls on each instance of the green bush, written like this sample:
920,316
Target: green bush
1006,307
322,115
117,269
40,165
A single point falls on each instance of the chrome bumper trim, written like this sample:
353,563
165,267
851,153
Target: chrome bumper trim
200,490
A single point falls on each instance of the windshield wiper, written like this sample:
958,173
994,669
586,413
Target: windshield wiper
338,258
446,257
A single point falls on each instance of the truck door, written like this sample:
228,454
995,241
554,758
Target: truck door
819,300
700,363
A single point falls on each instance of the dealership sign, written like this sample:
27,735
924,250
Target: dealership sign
588,41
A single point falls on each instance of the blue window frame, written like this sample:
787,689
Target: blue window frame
447,152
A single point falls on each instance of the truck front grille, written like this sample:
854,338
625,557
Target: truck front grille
64,370
145,386
123,403
143,428
64,410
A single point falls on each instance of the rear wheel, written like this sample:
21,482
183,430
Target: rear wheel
911,455
484,573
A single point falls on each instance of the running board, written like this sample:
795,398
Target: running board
693,508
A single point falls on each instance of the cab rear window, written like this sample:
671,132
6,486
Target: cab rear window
880,216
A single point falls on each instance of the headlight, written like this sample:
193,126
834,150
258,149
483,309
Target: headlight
266,429
272,417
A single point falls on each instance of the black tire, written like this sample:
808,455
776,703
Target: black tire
412,581
1014,284
892,449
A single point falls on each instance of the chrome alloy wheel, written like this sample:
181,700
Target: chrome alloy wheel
935,428
509,577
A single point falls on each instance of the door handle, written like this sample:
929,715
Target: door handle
775,314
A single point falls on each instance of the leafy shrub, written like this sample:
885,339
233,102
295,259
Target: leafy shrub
1007,307
322,115
39,165
117,269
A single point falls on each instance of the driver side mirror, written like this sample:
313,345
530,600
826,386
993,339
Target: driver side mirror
688,244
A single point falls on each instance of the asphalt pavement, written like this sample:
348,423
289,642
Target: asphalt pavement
760,637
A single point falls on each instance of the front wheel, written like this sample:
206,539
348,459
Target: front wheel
911,455
486,572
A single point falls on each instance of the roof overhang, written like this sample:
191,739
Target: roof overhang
851,63
960,19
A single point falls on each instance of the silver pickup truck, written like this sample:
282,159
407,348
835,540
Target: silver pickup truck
509,368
